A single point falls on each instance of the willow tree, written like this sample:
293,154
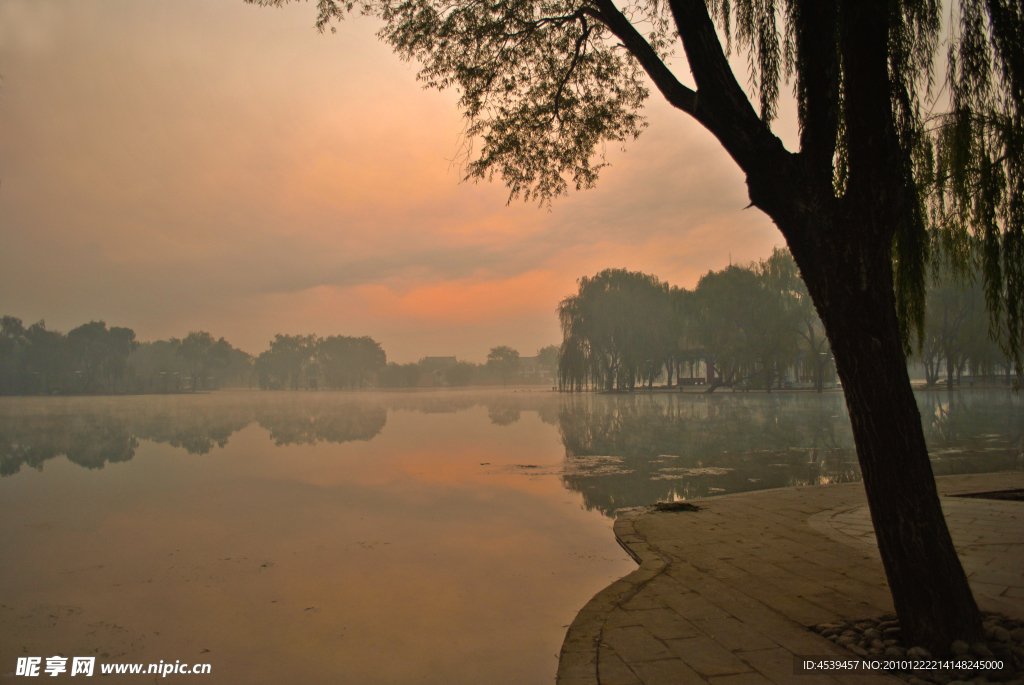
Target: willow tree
615,330
544,84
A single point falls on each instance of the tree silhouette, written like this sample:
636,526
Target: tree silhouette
504,362
545,83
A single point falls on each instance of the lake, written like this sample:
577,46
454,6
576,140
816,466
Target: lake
410,537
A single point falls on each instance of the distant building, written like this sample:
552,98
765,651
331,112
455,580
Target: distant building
439,362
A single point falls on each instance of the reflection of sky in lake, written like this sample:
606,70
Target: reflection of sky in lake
382,537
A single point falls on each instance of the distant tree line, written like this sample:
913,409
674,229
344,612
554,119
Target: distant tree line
956,339
90,358
196,362
503,364
95,359
740,327
749,327
309,361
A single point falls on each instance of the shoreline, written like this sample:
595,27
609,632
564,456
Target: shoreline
726,595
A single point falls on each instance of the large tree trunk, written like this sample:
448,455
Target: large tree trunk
854,295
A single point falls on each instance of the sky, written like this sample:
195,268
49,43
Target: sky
182,165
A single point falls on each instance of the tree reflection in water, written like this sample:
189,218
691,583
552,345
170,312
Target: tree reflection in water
620,450
93,435
626,451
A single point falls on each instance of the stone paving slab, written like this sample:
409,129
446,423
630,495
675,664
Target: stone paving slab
725,595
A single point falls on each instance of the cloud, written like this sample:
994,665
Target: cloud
219,166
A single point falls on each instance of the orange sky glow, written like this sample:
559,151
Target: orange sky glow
205,164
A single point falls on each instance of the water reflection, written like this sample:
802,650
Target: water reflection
633,451
620,451
89,441
626,451
109,432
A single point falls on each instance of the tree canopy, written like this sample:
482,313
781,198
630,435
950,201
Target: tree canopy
746,325
504,362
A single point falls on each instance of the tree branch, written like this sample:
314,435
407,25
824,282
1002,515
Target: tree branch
724,107
678,95
817,71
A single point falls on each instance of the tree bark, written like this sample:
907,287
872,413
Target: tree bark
929,588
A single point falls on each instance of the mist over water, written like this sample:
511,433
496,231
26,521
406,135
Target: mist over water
444,536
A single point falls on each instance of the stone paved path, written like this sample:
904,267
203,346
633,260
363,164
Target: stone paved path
723,595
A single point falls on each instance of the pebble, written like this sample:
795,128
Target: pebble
1004,640
1000,634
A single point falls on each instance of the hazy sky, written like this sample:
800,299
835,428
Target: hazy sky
176,165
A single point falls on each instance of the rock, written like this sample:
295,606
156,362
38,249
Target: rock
856,649
884,625
878,644
890,643
829,632
891,633
1017,634
981,649
918,681
845,640
875,651
894,652
1000,634
959,648
834,638
1001,676
919,653
873,634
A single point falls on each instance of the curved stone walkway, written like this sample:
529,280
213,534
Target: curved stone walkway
723,596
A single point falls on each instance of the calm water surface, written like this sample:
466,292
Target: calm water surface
431,537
